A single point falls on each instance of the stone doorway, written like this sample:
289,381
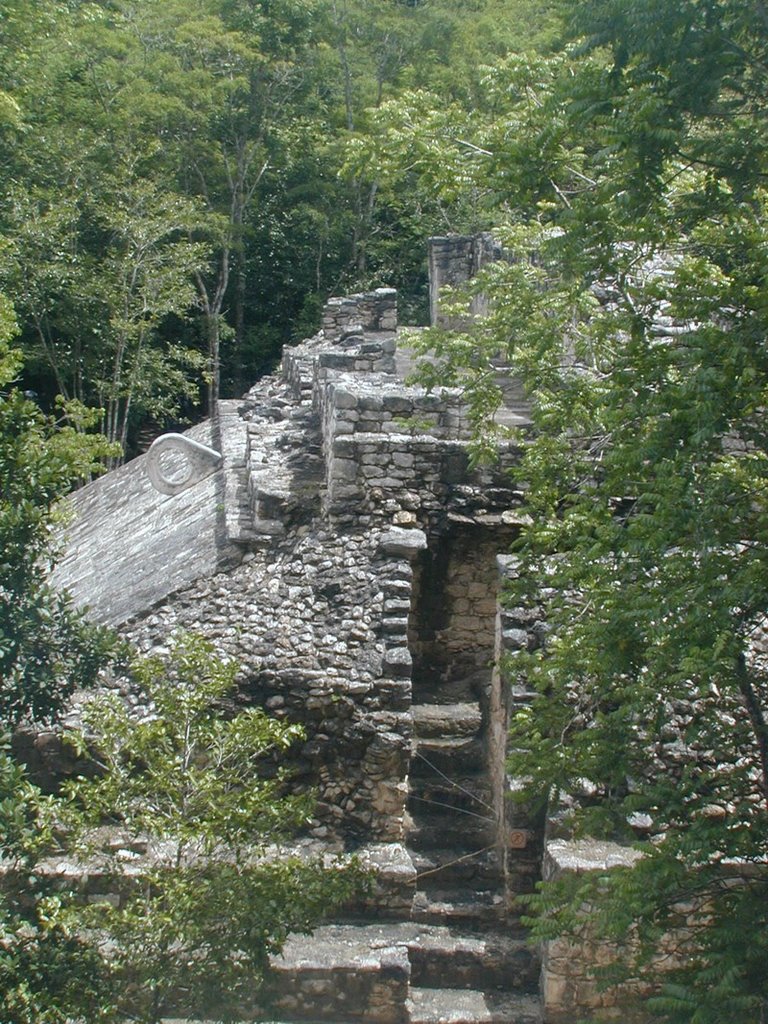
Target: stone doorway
454,812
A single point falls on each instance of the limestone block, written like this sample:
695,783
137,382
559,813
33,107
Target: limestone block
346,492
370,424
336,360
268,527
403,543
371,403
343,470
343,399
397,626
398,662
406,518
346,416
581,855
344,427
515,639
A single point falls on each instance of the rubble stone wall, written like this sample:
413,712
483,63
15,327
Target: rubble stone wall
471,596
342,474
372,311
454,260
309,621
568,986
518,629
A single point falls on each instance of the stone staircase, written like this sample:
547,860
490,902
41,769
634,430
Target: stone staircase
478,967
461,956
407,973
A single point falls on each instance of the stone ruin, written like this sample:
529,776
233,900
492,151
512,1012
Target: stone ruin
346,554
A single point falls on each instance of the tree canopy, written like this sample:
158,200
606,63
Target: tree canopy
626,176
175,197
184,182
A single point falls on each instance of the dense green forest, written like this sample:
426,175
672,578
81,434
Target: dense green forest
184,182
177,200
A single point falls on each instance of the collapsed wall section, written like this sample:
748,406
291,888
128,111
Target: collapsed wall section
318,597
309,621
394,450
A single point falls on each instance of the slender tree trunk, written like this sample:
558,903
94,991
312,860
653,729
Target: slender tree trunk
214,355
50,353
212,306
757,720
238,220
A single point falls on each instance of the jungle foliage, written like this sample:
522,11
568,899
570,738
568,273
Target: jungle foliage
174,199
627,177
199,787
194,922
184,182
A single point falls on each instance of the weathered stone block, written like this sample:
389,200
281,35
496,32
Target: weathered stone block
343,399
343,470
403,459
515,639
393,625
346,492
403,543
398,662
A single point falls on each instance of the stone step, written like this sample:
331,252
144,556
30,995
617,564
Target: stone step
344,973
428,689
490,960
452,1006
364,972
444,793
450,755
475,909
459,719
437,828
439,868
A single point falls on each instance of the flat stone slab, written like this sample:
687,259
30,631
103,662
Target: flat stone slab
454,1006
127,546
350,946
448,754
344,944
480,908
580,855
501,960
460,719
404,543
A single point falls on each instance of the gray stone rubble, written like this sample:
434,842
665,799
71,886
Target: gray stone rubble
344,555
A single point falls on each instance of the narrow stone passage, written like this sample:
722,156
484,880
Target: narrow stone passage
479,967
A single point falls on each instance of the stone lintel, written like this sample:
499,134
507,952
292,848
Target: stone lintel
405,543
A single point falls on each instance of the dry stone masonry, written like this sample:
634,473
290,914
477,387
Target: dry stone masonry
454,260
348,558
